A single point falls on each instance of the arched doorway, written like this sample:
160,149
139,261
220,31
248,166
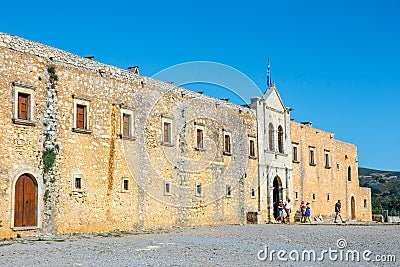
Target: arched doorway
276,194
25,210
353,208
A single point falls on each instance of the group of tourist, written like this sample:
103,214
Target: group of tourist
305,210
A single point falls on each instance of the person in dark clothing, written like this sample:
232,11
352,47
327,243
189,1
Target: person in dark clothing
338,206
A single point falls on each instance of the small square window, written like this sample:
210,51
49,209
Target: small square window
167,188
252,192
198,189
228,191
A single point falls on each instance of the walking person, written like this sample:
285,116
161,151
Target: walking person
308,212
280,211
303,212
338,206
288,209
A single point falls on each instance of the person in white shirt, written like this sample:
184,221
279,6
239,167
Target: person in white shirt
288,208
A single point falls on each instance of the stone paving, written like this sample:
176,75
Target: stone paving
239,245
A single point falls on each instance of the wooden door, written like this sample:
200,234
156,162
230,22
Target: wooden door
25,211
353,208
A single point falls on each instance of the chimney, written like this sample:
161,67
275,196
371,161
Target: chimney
134,69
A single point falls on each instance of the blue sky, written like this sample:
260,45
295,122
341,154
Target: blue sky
336,63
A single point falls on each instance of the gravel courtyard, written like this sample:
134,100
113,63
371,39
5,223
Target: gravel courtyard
213,246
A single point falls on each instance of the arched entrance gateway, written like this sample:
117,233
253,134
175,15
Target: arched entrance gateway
353,208
25,210
276,194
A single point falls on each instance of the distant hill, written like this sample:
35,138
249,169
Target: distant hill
385,188
366,172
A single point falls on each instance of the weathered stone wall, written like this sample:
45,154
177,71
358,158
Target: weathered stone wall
102,159
327,184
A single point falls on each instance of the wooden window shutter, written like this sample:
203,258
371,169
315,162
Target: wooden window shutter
80,116
227,143
252,148
23,106
126,125
167,132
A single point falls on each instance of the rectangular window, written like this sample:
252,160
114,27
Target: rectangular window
252,192
295,152
23,112
167,132
198,189
328,197
312,156
327,161
296,195
127,123
167,188
78,183
199,139
365,203
23,106
227,144
228,191
252,146
126,128
125,184
313,197
81,114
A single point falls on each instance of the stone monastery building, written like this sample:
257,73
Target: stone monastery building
87,147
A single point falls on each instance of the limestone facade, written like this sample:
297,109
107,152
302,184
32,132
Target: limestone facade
325,170
88,147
